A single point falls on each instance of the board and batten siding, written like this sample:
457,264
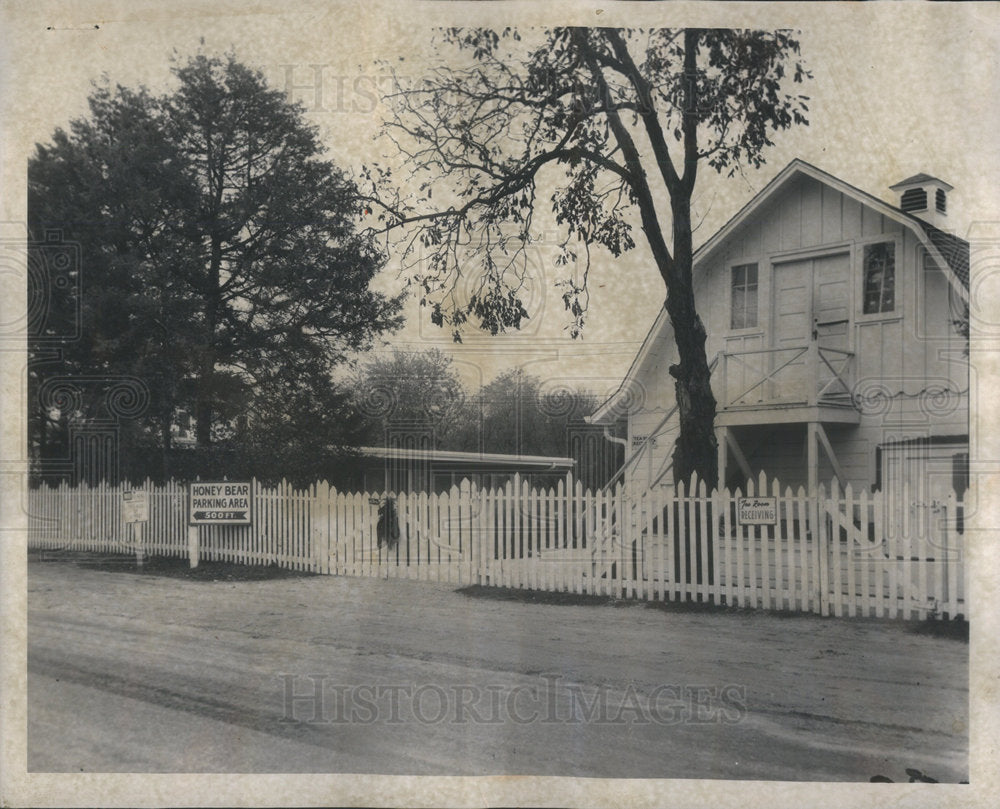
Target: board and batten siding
655,454
910,356
652,405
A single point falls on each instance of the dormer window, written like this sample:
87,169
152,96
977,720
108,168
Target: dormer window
940,200
744,297
880,278
914,199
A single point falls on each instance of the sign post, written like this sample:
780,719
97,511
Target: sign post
135,509
216,503
193,545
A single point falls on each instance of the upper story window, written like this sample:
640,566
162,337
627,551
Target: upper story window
744,297
880,278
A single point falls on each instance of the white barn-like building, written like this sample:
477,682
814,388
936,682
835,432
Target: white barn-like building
835,339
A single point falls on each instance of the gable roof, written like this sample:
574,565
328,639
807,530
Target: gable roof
949,252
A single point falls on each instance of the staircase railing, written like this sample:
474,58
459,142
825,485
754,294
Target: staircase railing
656,432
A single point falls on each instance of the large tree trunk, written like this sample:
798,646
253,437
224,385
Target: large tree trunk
696,449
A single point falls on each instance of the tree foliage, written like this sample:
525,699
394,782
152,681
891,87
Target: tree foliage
417,390
416,399
220,259
597,124
515,414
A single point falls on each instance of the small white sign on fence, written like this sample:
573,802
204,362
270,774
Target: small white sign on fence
135,507
219,503
757,511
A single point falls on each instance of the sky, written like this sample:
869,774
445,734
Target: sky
898,88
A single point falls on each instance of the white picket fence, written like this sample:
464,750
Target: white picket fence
832,552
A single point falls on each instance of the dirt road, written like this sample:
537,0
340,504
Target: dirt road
324,674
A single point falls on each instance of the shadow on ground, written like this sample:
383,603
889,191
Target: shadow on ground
957,629
176,567
211,571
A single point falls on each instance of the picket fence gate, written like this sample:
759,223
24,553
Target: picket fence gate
830,552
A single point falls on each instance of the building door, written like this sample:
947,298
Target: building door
791,328
810,300
832,322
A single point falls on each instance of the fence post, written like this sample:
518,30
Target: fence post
467,522
752,536
715,543
704,542
317,523
193,545
142,528
682,527
480,534
847,520
951,555
618,510
822,545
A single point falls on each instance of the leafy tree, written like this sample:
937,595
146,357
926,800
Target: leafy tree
418,390
221,262
103,194
609,120
520,414
513,414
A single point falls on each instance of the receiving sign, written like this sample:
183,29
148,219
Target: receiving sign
757,511
215,503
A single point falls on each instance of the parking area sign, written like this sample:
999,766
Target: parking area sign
219,503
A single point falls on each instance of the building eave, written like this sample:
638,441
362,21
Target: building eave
472,458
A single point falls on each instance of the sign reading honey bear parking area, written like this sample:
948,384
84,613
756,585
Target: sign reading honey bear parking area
219,503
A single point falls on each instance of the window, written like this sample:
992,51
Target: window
744,297
914,199
941,201
880,278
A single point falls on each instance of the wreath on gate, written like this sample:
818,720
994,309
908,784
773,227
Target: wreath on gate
388,524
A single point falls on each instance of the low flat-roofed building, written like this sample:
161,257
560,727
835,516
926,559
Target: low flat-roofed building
404,469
